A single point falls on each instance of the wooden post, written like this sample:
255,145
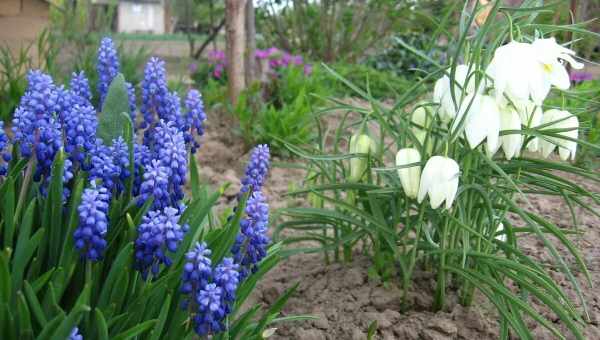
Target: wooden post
235,28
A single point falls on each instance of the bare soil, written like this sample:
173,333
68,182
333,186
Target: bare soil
346,301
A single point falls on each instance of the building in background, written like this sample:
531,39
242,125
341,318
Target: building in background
143,16
22,21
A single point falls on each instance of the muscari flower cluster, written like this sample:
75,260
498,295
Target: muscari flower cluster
52,117
4,154
108,66
75,335
158,104
211,290
159,233
93,222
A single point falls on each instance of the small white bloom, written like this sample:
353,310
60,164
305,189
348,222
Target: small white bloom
442,94
361,144
501,236
525,71
482,121
511,143
439,180
531,117
409,177
422,117
562,120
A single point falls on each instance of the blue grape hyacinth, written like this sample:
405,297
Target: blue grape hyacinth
154,92
159,233
93,222
80,131
104,167
171,152
108,66
156,186
75,335
257,169
5,155
251,243
80,86
210,292
195,117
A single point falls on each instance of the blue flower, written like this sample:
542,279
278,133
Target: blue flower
251,243
49,142
107,67
227,277
197,271
104,166
158,234
75,335
209,319
155,185
120,154
80,131
5,155
195,116
171,152
80,86
93,222
154,92
141,159
257,168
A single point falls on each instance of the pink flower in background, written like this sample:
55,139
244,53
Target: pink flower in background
307,69
192,68
580,76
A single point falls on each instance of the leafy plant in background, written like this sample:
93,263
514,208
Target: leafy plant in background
99,237
462,158
398,59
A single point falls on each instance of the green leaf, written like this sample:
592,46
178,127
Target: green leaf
135,331
8,207
35,305
162,319
112,122
5,288
101,325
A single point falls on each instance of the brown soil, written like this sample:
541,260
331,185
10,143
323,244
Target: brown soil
346,301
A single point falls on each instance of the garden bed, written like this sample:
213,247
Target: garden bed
346,301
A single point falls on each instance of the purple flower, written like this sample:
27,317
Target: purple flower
580,76
80,131
93,222
155,185
75,335
154,94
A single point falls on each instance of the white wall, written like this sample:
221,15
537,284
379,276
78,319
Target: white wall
141,17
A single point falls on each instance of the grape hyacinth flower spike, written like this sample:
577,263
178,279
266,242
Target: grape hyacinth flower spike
257,168
93,222
159,233
108,66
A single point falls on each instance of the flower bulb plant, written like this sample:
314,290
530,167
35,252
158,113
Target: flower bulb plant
447,190
104,227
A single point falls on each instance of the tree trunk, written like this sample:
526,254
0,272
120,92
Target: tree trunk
234,23
249,60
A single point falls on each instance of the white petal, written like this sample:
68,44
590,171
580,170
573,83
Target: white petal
559,76
409,177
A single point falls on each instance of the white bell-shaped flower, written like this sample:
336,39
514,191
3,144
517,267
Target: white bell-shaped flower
442,94
409,177
511,143
422,118
526,71
562,120
531,117
439,180
360,144
482,121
